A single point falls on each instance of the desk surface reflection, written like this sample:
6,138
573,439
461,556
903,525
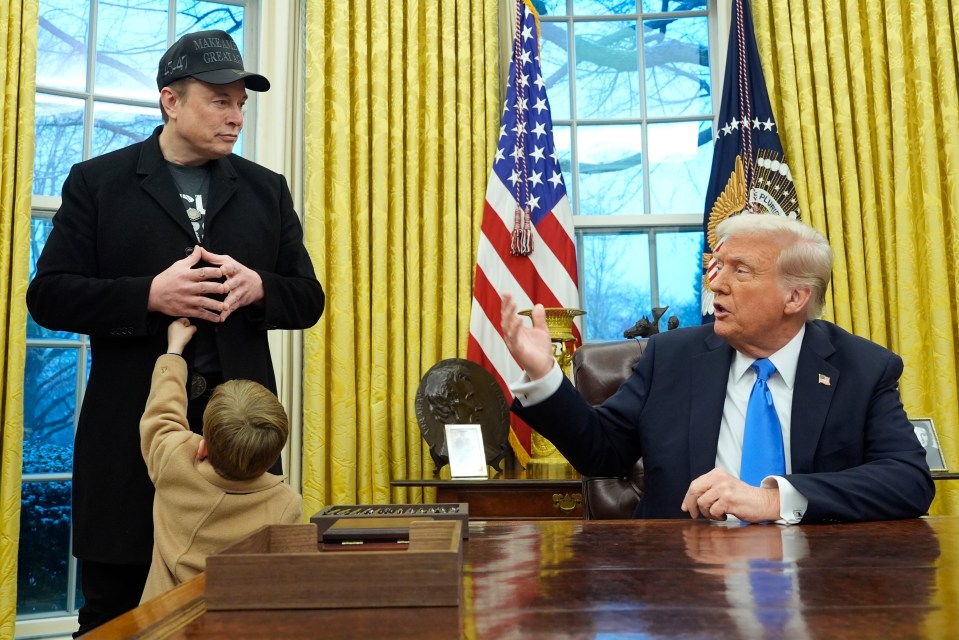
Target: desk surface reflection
641,579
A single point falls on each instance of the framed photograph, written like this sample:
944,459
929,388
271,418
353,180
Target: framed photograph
464,443
926,432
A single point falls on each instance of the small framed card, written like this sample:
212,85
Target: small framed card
464,443
926,432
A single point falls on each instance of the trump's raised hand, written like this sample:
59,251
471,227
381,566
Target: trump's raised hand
530,345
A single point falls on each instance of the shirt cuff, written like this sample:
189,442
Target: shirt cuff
531,392
792,504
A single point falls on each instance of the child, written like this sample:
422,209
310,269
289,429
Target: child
214,490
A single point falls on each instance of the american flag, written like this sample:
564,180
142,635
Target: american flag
749,168
526,243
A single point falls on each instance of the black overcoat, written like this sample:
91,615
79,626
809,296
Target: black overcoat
121,223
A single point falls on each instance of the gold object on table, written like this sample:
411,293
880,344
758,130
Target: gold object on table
545,459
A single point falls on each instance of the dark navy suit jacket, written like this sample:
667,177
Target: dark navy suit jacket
854,454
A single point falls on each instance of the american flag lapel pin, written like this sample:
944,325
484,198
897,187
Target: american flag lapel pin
824,380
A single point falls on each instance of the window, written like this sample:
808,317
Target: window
630,89
96,92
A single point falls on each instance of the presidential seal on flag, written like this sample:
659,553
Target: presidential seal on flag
749,171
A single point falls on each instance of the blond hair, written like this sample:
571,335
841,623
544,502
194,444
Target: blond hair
805,260
245,428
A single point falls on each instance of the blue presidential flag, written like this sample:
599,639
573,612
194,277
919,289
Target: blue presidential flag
749,168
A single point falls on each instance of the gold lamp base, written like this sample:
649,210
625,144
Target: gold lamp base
545,459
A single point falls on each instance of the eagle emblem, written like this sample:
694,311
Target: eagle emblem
773,191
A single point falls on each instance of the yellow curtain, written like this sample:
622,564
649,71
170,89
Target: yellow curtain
18,41
401,120
866,98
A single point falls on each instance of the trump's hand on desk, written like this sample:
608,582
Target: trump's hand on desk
717,494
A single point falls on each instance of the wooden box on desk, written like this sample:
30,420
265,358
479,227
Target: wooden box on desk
283,567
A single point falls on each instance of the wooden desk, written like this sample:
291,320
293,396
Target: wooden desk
650,579
510,495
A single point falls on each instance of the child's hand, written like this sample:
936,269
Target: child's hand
178,334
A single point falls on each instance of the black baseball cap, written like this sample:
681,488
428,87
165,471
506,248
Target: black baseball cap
210,56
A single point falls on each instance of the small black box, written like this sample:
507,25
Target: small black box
343,513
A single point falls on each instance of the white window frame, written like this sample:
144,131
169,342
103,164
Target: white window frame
718,15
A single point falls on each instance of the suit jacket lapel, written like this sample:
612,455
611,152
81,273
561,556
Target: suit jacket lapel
816,380
222,187
708,395
158,182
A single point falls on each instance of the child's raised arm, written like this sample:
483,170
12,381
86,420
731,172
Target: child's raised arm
178,334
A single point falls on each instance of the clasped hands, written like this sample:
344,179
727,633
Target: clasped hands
182,290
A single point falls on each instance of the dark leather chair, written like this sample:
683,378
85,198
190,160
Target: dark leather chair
599,368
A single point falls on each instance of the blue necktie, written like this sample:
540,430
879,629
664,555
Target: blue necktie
763,453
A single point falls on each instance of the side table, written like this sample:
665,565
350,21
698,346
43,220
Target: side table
509,495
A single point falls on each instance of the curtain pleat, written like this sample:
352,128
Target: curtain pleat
866,99
401,120
18,41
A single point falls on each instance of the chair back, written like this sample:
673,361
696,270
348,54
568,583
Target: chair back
599,369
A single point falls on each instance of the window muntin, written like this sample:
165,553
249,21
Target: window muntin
630,88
